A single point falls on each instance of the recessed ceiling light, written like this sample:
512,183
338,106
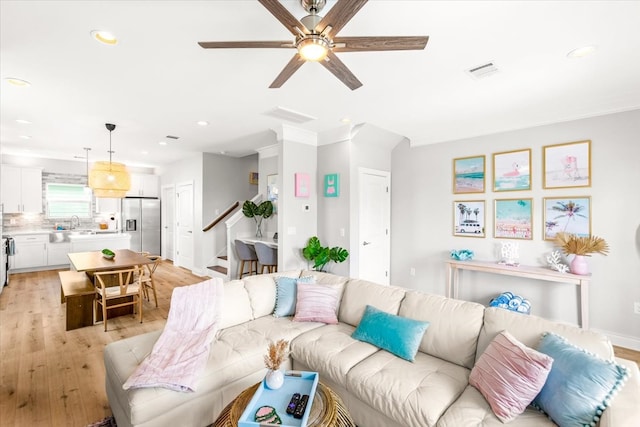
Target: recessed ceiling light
203,123
17,82
104,37
163,142
23,121
345,120
581,52
25,137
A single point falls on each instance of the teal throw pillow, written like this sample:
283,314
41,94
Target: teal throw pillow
580,385
398,335
286,294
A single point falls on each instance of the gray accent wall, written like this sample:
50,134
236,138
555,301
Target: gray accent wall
422,221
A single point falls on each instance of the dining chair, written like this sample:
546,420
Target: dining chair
125,284
147,280
246,253
267,257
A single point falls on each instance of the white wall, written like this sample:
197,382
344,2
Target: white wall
422,220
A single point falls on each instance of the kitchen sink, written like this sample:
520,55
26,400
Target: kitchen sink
60,236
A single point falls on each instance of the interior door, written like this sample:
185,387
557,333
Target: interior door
184,226
375,213
168,207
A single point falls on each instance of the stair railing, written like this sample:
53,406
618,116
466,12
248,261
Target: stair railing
222,216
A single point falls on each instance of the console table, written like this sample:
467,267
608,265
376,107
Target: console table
527,272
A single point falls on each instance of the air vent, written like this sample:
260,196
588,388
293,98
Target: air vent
172,137
289,115
482,71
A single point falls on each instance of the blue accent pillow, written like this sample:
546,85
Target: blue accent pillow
580,385
286,294
398,335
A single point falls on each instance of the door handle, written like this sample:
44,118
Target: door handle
365,243
189,231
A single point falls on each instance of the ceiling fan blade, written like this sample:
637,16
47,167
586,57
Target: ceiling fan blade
247,44
355,44
284,16
339,15
288,71
341,71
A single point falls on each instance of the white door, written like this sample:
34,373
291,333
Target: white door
184,226
375,213
168,208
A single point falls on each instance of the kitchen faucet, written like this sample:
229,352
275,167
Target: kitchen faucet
71,227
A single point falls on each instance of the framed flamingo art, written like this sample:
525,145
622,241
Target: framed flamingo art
512,170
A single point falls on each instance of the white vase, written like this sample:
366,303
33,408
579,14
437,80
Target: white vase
274,379
579,265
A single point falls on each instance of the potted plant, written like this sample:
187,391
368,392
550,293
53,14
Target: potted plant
321,255
258,213
581,247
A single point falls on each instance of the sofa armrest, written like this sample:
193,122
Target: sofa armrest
625,406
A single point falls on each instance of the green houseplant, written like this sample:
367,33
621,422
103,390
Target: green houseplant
321,255
258,213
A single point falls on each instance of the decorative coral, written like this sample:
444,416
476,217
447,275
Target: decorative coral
572,244
276,354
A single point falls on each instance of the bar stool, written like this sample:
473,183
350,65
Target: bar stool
267,257
246,253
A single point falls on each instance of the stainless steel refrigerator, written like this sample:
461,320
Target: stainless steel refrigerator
141,219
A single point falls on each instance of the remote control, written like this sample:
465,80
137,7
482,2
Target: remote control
301,407
291,407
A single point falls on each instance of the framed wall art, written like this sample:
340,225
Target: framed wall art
513,219
332,185
303,185
253,178
469,218
272,191
512,170
567,214
469,175
567,165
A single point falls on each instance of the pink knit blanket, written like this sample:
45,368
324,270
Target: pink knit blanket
181,352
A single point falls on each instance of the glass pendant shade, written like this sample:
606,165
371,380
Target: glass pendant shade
109,179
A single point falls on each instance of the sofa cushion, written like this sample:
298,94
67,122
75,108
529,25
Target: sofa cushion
580,386
317,303
331,351
262,292
412,393
454,325
398,335
287,293
472,410
509,375
528,329
236,305
360,293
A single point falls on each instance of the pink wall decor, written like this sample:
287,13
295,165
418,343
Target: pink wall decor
303,185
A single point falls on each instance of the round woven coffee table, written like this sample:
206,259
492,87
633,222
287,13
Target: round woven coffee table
327,409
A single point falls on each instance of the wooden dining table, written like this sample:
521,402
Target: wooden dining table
94,261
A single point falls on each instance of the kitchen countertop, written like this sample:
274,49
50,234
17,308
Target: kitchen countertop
47,231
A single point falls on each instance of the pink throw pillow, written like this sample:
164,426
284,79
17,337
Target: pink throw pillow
317,303
509,375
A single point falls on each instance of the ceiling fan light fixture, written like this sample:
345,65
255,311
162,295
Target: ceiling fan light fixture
313,47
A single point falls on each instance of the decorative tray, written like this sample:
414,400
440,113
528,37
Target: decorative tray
302,382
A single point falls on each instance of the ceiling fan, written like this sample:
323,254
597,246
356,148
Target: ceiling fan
316,40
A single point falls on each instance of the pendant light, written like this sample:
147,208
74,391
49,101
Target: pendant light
87,189
109,179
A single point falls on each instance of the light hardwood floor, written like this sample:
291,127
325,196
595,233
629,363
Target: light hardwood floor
51,377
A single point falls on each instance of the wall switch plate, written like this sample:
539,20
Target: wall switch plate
412,271
636,307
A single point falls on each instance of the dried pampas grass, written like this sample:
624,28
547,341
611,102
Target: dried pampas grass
572,244
276,354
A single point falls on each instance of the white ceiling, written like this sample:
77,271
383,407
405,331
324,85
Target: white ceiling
157,81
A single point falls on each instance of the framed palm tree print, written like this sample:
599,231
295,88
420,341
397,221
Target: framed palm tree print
468,218
567,214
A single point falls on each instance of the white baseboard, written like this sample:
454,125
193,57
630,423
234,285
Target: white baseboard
632,343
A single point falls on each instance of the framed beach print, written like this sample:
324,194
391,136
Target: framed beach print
567,214
332,185
513,219
303,185
567,165
512,170
468,218
469,175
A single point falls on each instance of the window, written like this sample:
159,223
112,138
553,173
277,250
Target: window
66,200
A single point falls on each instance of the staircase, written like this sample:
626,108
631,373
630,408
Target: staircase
221,269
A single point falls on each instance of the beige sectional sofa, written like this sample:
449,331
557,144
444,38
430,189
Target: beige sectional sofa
378,388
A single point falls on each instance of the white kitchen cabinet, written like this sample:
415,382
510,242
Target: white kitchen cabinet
21,189
57,253
144,185
107,205
31,251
